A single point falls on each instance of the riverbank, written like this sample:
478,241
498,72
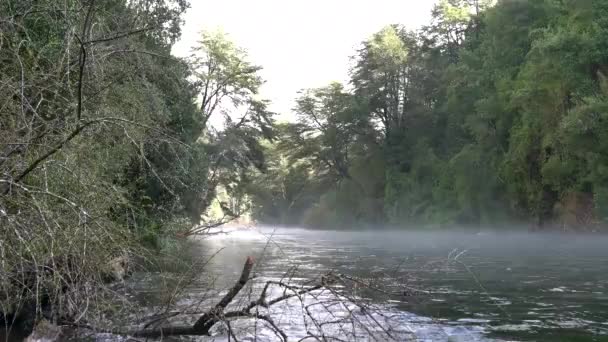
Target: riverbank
457,286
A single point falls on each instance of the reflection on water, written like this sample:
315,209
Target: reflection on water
473,286
436,286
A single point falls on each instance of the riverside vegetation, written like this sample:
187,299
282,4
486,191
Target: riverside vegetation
489,114
493,112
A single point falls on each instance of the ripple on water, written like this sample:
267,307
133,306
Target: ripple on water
533,286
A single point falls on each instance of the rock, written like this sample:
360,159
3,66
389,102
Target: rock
45,331
118,269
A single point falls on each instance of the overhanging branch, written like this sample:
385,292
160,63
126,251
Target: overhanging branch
79,129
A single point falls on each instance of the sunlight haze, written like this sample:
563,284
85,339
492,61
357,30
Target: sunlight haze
437,170
300,44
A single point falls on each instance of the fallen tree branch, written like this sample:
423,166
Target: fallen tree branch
206,321
216,314
205,229
204,324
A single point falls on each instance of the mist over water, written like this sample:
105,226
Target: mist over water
477,285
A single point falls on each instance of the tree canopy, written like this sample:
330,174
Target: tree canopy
490,113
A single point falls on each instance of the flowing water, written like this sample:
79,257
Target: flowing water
478,286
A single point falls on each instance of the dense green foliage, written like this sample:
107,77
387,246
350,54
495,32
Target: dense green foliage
492,112
106,145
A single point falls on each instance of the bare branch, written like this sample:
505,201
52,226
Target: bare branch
205,322
121,35
71,136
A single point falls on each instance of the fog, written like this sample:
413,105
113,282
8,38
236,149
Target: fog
486,282
487,240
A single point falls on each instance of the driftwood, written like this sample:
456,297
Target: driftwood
358,314
218,314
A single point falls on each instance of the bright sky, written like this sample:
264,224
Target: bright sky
299,43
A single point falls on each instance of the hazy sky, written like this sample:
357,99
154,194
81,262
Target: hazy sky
299,43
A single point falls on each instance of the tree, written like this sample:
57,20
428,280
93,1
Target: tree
227,80
98,146
479,117
228,85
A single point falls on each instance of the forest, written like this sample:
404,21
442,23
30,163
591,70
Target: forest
493,113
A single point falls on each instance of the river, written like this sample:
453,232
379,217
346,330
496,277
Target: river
476,286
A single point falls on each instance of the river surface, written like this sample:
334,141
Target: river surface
474,286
